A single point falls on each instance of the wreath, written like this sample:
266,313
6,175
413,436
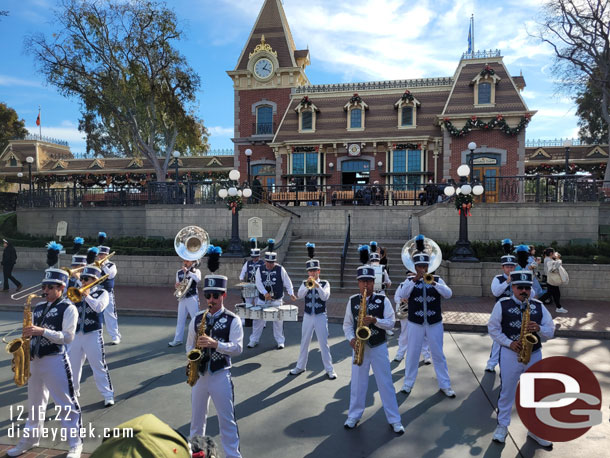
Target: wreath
487,71
463,203
235,203
407,96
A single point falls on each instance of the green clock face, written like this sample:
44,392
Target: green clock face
263,68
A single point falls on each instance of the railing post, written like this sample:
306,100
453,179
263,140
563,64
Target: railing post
537,188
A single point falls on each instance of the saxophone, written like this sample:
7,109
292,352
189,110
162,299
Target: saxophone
527,339
362,333
196,354
20,347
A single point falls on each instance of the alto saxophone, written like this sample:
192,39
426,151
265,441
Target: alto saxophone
363,333
20,347
196,354
527,339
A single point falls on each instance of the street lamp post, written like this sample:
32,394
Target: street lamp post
30,161
234,190
248,157
20,176
471,146
176,155
566,168
463,251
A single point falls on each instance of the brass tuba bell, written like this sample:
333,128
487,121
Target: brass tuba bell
431,248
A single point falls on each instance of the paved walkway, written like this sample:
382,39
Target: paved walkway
589,319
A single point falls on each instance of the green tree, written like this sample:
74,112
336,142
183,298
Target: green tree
137,92
593,128
10,126
579,34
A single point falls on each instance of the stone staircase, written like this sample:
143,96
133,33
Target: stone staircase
329,254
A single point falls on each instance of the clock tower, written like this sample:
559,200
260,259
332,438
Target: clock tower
267,69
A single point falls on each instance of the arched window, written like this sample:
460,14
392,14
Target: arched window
484,93
356,112
264,120
407,110
307,120
355,120
407,116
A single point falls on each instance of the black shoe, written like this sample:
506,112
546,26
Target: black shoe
5,290
19,288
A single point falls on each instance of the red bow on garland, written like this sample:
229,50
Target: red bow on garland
466,208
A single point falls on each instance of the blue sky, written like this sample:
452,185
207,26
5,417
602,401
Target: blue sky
356,40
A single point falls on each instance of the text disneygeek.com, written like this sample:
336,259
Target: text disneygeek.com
18,414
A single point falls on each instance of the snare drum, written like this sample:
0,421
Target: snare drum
249,290
289,313
254,313
271,314
241,310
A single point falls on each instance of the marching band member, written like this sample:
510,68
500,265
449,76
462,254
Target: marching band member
53,327
379,318
271,280
425,320
89,340
504,327
382,279
110,312
248,271
78,260
500,287
402,338
222,340
314,318
189,302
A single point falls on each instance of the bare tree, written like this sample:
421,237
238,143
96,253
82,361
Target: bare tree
137,92
579,33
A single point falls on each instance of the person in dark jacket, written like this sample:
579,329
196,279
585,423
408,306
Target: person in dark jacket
9,259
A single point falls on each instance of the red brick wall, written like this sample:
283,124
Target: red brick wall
493,139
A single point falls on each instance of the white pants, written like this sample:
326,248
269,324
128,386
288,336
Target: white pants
402,342
416,335
259,325
219,387
110,318
377,358
510,371
188,306
319,324
91,347
52,375
494,355
250,301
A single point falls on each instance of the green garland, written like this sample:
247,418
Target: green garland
551,169
498,121
462,200
235,203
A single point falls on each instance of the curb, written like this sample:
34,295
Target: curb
451,327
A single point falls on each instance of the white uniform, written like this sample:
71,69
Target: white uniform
510,368
90,345
187,306
278,326
243,276
402,339
317,322
52,374
416,333
377,358
219,387
110,315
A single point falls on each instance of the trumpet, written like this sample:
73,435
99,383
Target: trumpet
428,278
101,262
310,283
76,294
71,272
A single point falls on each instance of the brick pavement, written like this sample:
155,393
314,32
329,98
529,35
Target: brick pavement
39,452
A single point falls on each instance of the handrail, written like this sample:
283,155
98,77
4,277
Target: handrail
282,207
346,245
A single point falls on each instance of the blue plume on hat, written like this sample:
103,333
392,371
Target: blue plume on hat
363,251
373,246
253,242
507,245
419,243
311,249
270,245
78,244
101,238
214,253
523,253
92,254
53,249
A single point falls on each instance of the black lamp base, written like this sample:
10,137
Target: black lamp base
463,253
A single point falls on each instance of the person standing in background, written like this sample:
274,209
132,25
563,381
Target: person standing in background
9,259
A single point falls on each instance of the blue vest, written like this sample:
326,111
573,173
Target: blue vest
374,307
52,320
511,318
272,280
93,320
218,328
430,308
192,291
507,292
108,284
251,269
313,303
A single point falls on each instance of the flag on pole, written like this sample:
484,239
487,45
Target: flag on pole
38,118
470,38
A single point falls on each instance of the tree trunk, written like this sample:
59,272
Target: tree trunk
606,184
